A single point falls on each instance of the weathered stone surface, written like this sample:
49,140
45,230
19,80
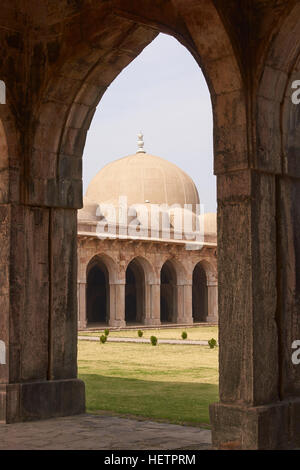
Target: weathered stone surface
247,294
30,401
57,58
63,285
95,432
29,293
288,315
255,428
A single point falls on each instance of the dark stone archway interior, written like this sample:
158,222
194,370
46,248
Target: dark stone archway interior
57,59
200,306
98,294
168,282
135,293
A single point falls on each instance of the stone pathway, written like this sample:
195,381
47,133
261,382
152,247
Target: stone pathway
141,340
96,432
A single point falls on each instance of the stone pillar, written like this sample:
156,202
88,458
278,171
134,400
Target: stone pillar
179,293
153,305
251,413
188,304
117,304
81,296
147,306
212,301
185,300
38,279
184,295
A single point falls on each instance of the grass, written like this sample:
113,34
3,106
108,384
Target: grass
199,333
171,383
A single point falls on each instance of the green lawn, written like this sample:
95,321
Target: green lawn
197,333
167,382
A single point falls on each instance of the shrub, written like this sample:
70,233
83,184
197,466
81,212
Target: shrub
106,332
140,333
103,339
184,335
153,340
212,343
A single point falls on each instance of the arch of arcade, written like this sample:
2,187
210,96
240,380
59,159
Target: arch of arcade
114,301
57,58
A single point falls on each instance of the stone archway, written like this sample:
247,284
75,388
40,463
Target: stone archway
100,292
97,294
200,294
175,293
55,80
168,293
134,294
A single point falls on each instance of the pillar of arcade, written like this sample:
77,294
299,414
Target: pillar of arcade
38,313
117,304
212,301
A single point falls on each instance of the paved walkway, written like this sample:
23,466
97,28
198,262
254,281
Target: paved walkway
96,432
141,340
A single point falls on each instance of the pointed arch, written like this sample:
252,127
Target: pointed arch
109,263
278,137
172,275
200,300
84,68
139,275
101,272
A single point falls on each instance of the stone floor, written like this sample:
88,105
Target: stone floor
93,432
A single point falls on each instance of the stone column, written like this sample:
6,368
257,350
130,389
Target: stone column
153,304
250,414
185,300
81,296
147,300
179,293
188,304
212,301
38,279
117,304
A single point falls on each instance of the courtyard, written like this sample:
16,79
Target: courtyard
59,60
138,396
168,382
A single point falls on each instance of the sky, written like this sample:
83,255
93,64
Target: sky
162,93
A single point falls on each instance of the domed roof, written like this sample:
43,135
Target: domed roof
210,222
88,211
142,178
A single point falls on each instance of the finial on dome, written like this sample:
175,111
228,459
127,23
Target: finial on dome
141,143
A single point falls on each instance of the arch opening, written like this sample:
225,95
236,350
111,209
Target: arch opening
200,294
135,293
97,294
168,291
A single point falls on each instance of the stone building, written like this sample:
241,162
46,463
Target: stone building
146,254
57,59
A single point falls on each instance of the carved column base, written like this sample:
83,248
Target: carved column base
117,323
274,426
41,400
212,319
152,322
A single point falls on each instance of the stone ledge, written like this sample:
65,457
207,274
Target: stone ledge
263,427
41,400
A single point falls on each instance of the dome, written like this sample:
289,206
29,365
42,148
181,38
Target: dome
210,223
143,179
89,210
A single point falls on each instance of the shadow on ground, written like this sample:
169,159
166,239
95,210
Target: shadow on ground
175,402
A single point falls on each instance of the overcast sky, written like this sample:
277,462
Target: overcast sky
162,93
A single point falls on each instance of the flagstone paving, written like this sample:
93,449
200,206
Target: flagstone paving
96,432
